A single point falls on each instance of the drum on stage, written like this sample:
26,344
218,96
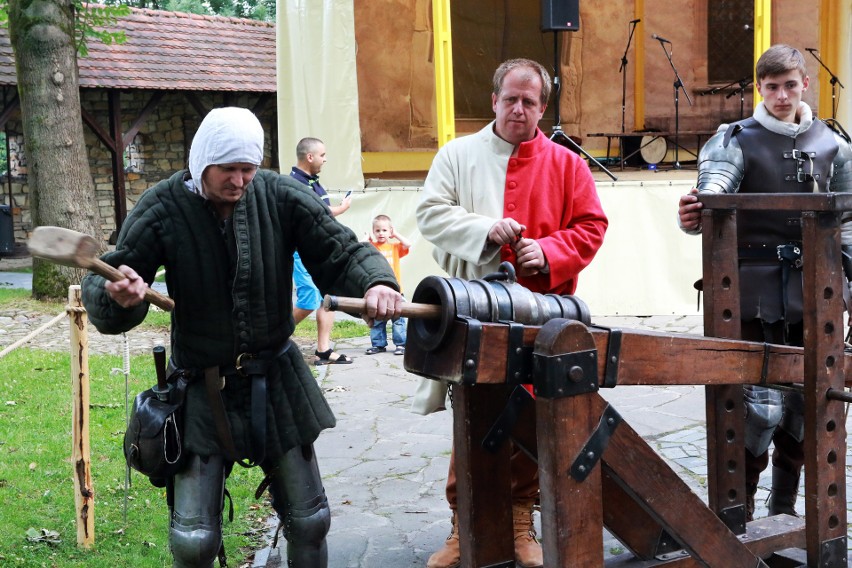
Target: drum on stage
653,149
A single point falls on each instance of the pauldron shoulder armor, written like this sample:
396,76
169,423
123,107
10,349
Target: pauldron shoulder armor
720,163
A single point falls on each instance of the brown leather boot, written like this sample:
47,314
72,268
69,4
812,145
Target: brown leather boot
785,489
448,556
751,489
527,549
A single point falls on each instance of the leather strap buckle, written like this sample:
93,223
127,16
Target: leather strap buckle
239,363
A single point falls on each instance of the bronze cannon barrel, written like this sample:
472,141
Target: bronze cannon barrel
497,297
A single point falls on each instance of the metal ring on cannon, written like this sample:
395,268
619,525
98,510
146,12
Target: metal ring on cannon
497,297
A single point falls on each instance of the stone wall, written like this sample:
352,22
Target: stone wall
159,149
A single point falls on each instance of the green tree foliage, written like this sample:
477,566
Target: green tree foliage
263,10
92,21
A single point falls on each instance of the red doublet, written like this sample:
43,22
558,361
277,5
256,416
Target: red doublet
550,190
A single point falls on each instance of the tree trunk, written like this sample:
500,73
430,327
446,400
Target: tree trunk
61,185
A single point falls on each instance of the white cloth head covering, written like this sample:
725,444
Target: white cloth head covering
225,136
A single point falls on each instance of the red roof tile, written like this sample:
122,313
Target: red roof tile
172,50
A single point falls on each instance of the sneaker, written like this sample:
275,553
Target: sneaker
373,350
400,350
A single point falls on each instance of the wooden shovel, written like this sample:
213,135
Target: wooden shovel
70,248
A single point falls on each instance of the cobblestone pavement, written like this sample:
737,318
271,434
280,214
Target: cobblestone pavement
384,468
15,324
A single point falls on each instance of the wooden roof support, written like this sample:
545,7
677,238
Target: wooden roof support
118,189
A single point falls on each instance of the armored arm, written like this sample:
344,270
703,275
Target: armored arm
720,165
841,182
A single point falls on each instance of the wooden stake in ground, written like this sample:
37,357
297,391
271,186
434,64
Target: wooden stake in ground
84,494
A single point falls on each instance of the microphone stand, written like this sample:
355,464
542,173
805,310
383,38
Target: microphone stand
678,85
834,83
557,135
623,71
743,83
715,90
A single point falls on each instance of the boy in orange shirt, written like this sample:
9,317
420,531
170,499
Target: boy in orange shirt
382,232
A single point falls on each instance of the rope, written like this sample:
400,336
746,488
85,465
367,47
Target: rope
23,340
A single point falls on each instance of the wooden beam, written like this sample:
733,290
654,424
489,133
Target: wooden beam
483,479
10,108
724,404
763,537
195,103
825,420
262,102
118,189
571,508
96,128
140,120
646,476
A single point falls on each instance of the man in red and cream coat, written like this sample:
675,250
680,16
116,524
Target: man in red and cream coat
510,193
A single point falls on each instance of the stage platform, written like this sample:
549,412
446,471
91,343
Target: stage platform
664,175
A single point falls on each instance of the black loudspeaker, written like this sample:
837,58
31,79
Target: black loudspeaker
560,15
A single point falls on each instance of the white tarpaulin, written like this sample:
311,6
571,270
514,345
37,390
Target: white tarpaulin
647,265
318,87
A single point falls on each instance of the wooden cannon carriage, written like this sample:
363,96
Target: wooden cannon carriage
595,470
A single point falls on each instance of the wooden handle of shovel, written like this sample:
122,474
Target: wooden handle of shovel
357,307
113,274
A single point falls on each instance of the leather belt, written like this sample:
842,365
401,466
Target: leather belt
252,366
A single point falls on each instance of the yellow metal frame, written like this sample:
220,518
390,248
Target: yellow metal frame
830,18
443,41
762,34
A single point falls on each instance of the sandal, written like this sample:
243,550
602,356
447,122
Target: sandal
373,350
331,358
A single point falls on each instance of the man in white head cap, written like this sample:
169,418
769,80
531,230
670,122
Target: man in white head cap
226,232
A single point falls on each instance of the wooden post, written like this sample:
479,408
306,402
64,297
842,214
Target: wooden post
825,420
724,404
84,502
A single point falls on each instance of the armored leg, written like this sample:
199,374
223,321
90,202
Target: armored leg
299,499
787,461
754,465
195,532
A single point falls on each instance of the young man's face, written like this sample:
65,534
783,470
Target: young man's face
782,94
382,231
518,107
316,159
225,183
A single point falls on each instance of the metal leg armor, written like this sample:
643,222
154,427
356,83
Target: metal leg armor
195,532
764,409
788,457
794,415
299,499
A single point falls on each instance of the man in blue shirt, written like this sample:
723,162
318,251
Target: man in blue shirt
310,157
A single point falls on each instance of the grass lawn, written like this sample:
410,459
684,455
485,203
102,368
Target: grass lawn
36,490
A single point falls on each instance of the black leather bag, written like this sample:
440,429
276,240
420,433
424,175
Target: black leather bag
152,442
